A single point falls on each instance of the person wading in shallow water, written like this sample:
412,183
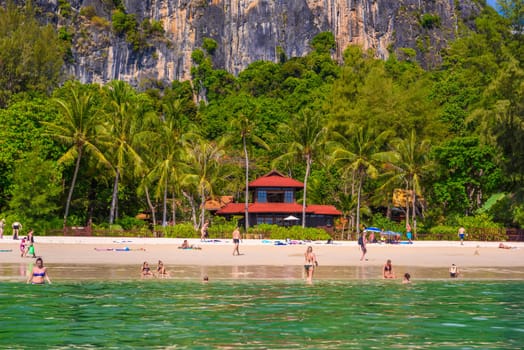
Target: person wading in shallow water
311,263
38,275
454,271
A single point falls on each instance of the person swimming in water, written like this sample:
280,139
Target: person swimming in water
38,274
407,278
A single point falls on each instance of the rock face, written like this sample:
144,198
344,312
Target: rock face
249,30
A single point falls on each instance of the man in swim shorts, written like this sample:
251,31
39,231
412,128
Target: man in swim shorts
408,232
236,241
16,229
461,234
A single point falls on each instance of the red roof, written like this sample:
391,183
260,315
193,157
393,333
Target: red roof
323,209
277,208
275,179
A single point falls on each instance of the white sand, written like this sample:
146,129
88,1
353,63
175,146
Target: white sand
82,250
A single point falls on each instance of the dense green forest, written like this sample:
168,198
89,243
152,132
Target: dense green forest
354,131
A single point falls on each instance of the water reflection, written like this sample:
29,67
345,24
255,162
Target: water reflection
192,272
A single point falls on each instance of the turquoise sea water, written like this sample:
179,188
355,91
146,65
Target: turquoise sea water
263,314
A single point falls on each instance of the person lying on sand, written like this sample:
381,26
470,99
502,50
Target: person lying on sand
185,245
505,246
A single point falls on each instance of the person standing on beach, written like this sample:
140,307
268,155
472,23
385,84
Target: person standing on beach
203,232
16,229
2,225
311,263
462,234
38,274
362,244
30,244
22,247
408,232
236,241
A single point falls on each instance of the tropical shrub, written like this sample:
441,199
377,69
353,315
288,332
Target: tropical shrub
129,223
293,232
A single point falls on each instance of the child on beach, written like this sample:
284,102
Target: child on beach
30,241
22,247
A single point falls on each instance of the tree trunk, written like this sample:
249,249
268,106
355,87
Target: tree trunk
73,182
246,204
164,206
151,207
306,176
174,209
202,207
414,213
358,204
193,208
407,206
113,199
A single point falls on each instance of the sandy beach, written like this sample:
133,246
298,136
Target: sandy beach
109,257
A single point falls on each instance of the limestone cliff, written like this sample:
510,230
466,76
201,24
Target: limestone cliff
246,31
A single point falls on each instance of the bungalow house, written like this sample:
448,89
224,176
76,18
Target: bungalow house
273,201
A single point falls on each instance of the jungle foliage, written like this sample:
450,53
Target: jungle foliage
452,137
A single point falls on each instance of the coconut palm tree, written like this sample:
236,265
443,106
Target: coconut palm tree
123,126
168,152
356,154
205,170
246,126
409,162
79,129
307,135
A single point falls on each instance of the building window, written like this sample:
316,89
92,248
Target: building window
275,197
288,197
262,196
264,219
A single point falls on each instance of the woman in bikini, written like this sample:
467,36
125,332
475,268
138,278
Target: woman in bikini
388,270
38,274
311,263
161,270
146,270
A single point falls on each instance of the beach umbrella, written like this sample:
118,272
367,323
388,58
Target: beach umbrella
291,218
372,229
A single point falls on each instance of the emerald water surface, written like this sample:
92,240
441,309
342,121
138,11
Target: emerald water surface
263,314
